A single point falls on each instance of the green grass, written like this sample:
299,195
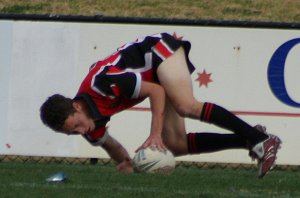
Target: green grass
29,180
245,10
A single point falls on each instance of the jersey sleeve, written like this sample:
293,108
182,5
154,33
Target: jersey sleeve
117,83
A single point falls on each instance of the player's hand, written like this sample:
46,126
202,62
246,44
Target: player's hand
125,166
154,142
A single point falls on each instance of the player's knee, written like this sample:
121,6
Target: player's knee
183,110
175,141
177,147
186,109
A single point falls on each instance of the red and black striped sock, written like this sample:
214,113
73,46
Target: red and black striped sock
214,114
212,142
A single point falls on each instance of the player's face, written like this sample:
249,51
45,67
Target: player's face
78,123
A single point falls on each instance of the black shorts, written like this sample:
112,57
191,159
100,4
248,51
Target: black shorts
155,49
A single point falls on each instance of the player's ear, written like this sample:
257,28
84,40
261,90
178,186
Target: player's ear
77,106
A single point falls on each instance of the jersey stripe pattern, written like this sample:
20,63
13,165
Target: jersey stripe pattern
114,83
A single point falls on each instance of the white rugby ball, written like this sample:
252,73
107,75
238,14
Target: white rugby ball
154,161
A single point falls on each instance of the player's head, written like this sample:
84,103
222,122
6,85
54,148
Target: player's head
66,115
55,110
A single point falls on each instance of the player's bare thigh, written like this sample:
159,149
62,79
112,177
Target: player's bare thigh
174,132
174,76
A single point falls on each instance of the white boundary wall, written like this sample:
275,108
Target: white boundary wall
38,59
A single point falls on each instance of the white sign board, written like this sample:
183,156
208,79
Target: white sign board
252,72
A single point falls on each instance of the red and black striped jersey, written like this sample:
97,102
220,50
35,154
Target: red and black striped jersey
114,83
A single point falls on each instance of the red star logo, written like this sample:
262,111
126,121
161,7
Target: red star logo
177,37
204,78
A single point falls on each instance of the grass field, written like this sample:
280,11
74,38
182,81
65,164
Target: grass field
29,180
245,10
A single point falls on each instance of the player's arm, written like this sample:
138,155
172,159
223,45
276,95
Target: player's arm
156,95
130,85
118,153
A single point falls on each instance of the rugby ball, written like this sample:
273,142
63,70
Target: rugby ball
154,161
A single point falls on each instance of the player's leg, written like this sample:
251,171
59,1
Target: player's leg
174,76
174,132
175,137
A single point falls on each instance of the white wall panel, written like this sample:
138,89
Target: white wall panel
43,58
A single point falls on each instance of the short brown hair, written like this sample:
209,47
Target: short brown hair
55,110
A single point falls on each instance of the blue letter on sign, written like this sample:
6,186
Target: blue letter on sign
276,72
